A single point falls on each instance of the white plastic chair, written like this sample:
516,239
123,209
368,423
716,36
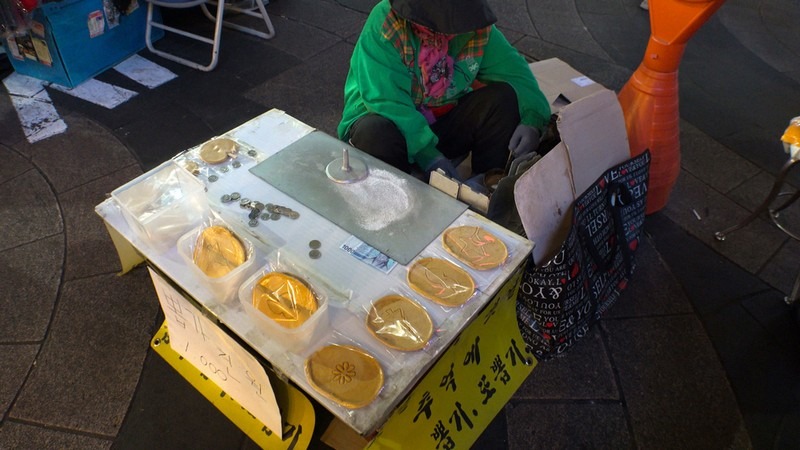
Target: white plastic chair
218,20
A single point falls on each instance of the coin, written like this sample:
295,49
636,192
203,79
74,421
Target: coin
235,196
314,254
274,216
225,198
315,244
217,251
216,151
213,178
253,223
236,164
400,323
345,374
285,299
252,153
441,281
475,247
265,216
192,167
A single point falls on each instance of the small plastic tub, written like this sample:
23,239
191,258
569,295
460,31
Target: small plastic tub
163,204
225,287
293,339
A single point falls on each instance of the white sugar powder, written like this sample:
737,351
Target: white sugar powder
377,201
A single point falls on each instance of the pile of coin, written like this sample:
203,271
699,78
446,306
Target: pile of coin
259,210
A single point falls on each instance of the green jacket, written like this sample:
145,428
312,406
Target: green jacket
382,81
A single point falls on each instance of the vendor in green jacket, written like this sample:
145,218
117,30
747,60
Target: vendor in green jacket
432,80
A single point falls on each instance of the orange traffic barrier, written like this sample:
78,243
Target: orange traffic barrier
649,99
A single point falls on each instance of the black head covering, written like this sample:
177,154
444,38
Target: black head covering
446,16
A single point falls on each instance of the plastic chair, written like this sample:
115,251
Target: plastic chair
218,20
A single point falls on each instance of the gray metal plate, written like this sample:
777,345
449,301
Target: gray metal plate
389,210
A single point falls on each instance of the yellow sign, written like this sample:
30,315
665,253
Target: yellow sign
468,386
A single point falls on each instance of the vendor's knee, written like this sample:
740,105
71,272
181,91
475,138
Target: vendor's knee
380,137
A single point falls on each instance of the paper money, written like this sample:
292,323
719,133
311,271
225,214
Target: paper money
368,255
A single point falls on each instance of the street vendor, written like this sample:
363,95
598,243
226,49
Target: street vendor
432,81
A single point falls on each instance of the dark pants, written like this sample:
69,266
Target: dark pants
481,123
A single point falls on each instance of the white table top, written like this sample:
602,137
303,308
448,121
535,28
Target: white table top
351,285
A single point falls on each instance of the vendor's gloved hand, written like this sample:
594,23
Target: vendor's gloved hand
441,162
524,140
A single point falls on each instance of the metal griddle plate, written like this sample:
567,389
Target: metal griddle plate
390,210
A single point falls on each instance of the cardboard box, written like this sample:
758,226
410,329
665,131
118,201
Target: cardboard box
561,84
71,41
593,138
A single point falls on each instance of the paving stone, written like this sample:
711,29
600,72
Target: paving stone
675,389
762,147
17,362
17,435
13,164
90,250
33,208
216,97
163,133
31,276
564,27
762,370
323,14
749,247
622,45
568,425
168,413
311,93
86,151
10,128
90,363
652,290
775,316
716,165
513,15
698,268
301,40
582,373
782,270
609,74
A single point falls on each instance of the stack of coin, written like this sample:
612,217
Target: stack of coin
475,247
218,251
441,281
400,323
285,299
345,374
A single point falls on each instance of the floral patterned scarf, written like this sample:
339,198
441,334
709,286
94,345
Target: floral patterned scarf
434,62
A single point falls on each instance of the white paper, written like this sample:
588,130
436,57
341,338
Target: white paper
217,355
583,81
98,92
144,71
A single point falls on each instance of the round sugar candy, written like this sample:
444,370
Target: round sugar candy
475,247
216,151
441,281
217,251
285,299
345,374
399,323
